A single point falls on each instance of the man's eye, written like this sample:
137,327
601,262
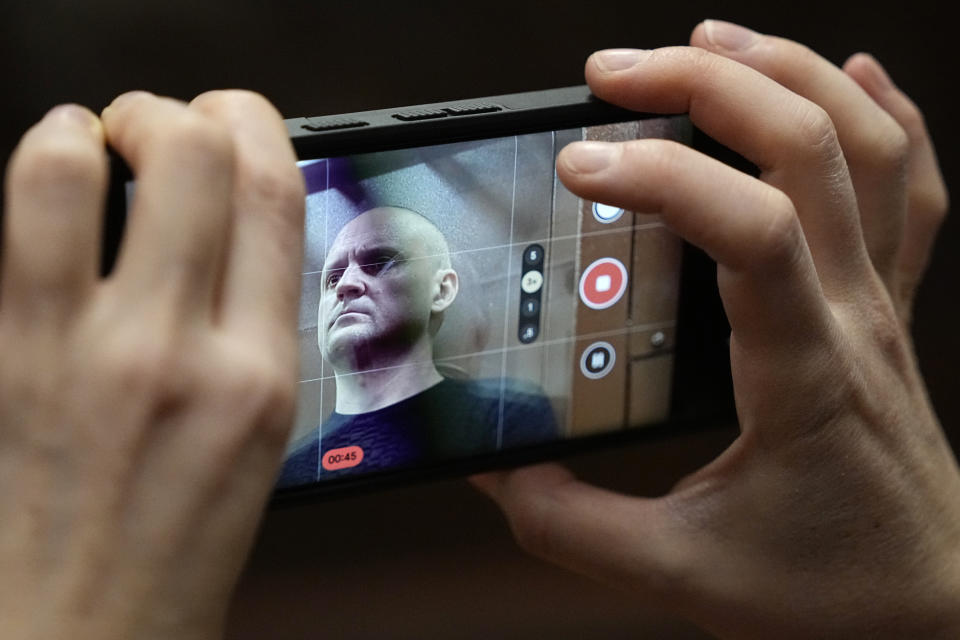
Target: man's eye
379,264
333,279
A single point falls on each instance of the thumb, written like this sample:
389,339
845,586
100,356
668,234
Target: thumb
617,539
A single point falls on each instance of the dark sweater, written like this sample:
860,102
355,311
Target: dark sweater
453,418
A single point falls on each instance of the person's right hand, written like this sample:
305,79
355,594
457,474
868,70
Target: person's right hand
836,513
143,415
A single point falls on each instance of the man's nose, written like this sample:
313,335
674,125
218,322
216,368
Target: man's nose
350,284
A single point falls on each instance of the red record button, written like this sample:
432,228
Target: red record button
603,283
342,458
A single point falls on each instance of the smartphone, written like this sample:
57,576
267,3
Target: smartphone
462,310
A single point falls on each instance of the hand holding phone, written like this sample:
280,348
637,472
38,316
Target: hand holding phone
834,514
142,416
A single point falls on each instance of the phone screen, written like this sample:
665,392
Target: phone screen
458,300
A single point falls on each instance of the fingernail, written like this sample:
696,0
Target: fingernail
72,114
589,157
727,35
123,98
619,59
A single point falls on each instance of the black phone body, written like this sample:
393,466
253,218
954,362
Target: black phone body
574,324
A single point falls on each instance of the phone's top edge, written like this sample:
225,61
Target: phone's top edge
576,94
455,120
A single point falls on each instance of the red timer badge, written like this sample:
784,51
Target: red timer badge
342,458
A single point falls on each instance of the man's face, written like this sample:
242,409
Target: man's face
379,281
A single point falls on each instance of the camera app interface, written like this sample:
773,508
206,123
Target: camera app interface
458,300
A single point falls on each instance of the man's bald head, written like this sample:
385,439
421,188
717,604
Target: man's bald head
409,229
387,280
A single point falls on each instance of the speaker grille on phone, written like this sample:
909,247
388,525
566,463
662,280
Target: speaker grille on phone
420,114
335,123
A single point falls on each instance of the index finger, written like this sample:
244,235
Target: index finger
873,143
261,285
791,139
767,279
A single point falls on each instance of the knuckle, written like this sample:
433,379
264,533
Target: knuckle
696,55
796,61
886,331
274,186
888,149
532,533
24,387
660,159
265,394
815,129
142,369
896,145
778,238
798,51
706,65
787,61
198,135
664,153
911,118
229,103
135,100
933,203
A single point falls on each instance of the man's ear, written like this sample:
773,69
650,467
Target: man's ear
448,284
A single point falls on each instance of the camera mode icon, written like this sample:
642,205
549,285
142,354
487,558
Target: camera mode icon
597,360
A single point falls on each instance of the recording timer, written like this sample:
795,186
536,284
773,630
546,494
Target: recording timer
342,458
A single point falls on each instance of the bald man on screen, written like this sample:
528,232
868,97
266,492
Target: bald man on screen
387,281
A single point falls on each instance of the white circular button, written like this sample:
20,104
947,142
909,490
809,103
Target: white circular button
606,213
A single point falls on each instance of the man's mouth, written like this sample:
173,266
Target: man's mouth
347,311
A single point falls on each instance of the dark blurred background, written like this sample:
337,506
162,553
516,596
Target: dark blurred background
435,560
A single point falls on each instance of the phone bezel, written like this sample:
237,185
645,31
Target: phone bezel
702,390
702,395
